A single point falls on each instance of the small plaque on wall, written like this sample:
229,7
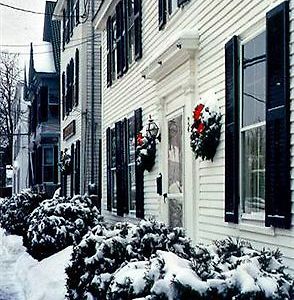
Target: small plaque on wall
69,130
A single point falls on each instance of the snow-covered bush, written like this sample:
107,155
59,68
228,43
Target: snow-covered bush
58,223
15,211
132,262
104,250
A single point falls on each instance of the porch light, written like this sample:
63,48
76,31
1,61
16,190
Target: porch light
152,129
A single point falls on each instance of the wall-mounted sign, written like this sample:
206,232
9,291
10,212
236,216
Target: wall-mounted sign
69,130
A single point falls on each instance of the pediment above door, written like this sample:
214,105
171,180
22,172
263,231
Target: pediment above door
180,48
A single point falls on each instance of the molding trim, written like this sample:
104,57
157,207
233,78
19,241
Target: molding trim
180,48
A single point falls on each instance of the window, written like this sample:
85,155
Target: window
48,164
166,8
124,38
131,32
125,181
114,49
257,124
113,170
252,140
131,163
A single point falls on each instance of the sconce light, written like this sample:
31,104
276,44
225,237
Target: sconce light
152,129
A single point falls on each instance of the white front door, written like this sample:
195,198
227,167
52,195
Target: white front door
178,206
175,154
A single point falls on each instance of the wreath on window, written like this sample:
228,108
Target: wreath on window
205,131
146,152
65,163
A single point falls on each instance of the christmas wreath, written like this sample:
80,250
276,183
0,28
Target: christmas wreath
65,162
205,131
146,152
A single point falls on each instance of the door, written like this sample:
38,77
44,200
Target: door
175,168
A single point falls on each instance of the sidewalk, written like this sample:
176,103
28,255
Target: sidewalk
10,250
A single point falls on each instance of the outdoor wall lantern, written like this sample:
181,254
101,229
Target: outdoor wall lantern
146,145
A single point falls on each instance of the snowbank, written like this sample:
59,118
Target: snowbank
44,280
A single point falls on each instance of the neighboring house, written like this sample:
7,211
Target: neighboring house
43,94
20,148
80,95
162,58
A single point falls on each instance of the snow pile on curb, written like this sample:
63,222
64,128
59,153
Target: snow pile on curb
44,280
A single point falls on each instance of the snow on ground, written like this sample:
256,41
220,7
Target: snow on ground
24,278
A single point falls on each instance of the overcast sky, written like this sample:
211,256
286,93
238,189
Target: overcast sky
21,28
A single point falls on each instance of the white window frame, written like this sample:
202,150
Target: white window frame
253,217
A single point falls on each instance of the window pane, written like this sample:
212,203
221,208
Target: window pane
132,187
48,156
113,148
253,170
175,184
254,68
131,140
48,173
113,185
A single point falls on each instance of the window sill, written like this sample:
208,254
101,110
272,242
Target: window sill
269,231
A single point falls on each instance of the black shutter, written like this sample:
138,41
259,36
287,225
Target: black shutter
138,28
108,160
77,167
181,2
72,83
139,171
67,93
72,157
63,94
44,103
161,13
109,51
170,7
125,166
77,71
124,37
77,12
277,174
63,29
232,130
119,168
55,164
119,45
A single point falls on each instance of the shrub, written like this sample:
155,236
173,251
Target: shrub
154,262
58,223
15,211
104,250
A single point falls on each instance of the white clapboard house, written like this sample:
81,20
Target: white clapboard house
162,58
80,94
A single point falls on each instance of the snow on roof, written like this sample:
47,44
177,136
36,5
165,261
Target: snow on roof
43,58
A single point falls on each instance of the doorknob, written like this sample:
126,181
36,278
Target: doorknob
164,197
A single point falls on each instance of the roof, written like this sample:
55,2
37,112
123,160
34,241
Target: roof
51,32
44,59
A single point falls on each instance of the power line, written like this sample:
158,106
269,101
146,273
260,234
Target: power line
31,11
39,45
87,39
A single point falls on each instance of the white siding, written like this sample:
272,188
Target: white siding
216,22
82,40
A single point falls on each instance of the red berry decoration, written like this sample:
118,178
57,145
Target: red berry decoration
205,132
